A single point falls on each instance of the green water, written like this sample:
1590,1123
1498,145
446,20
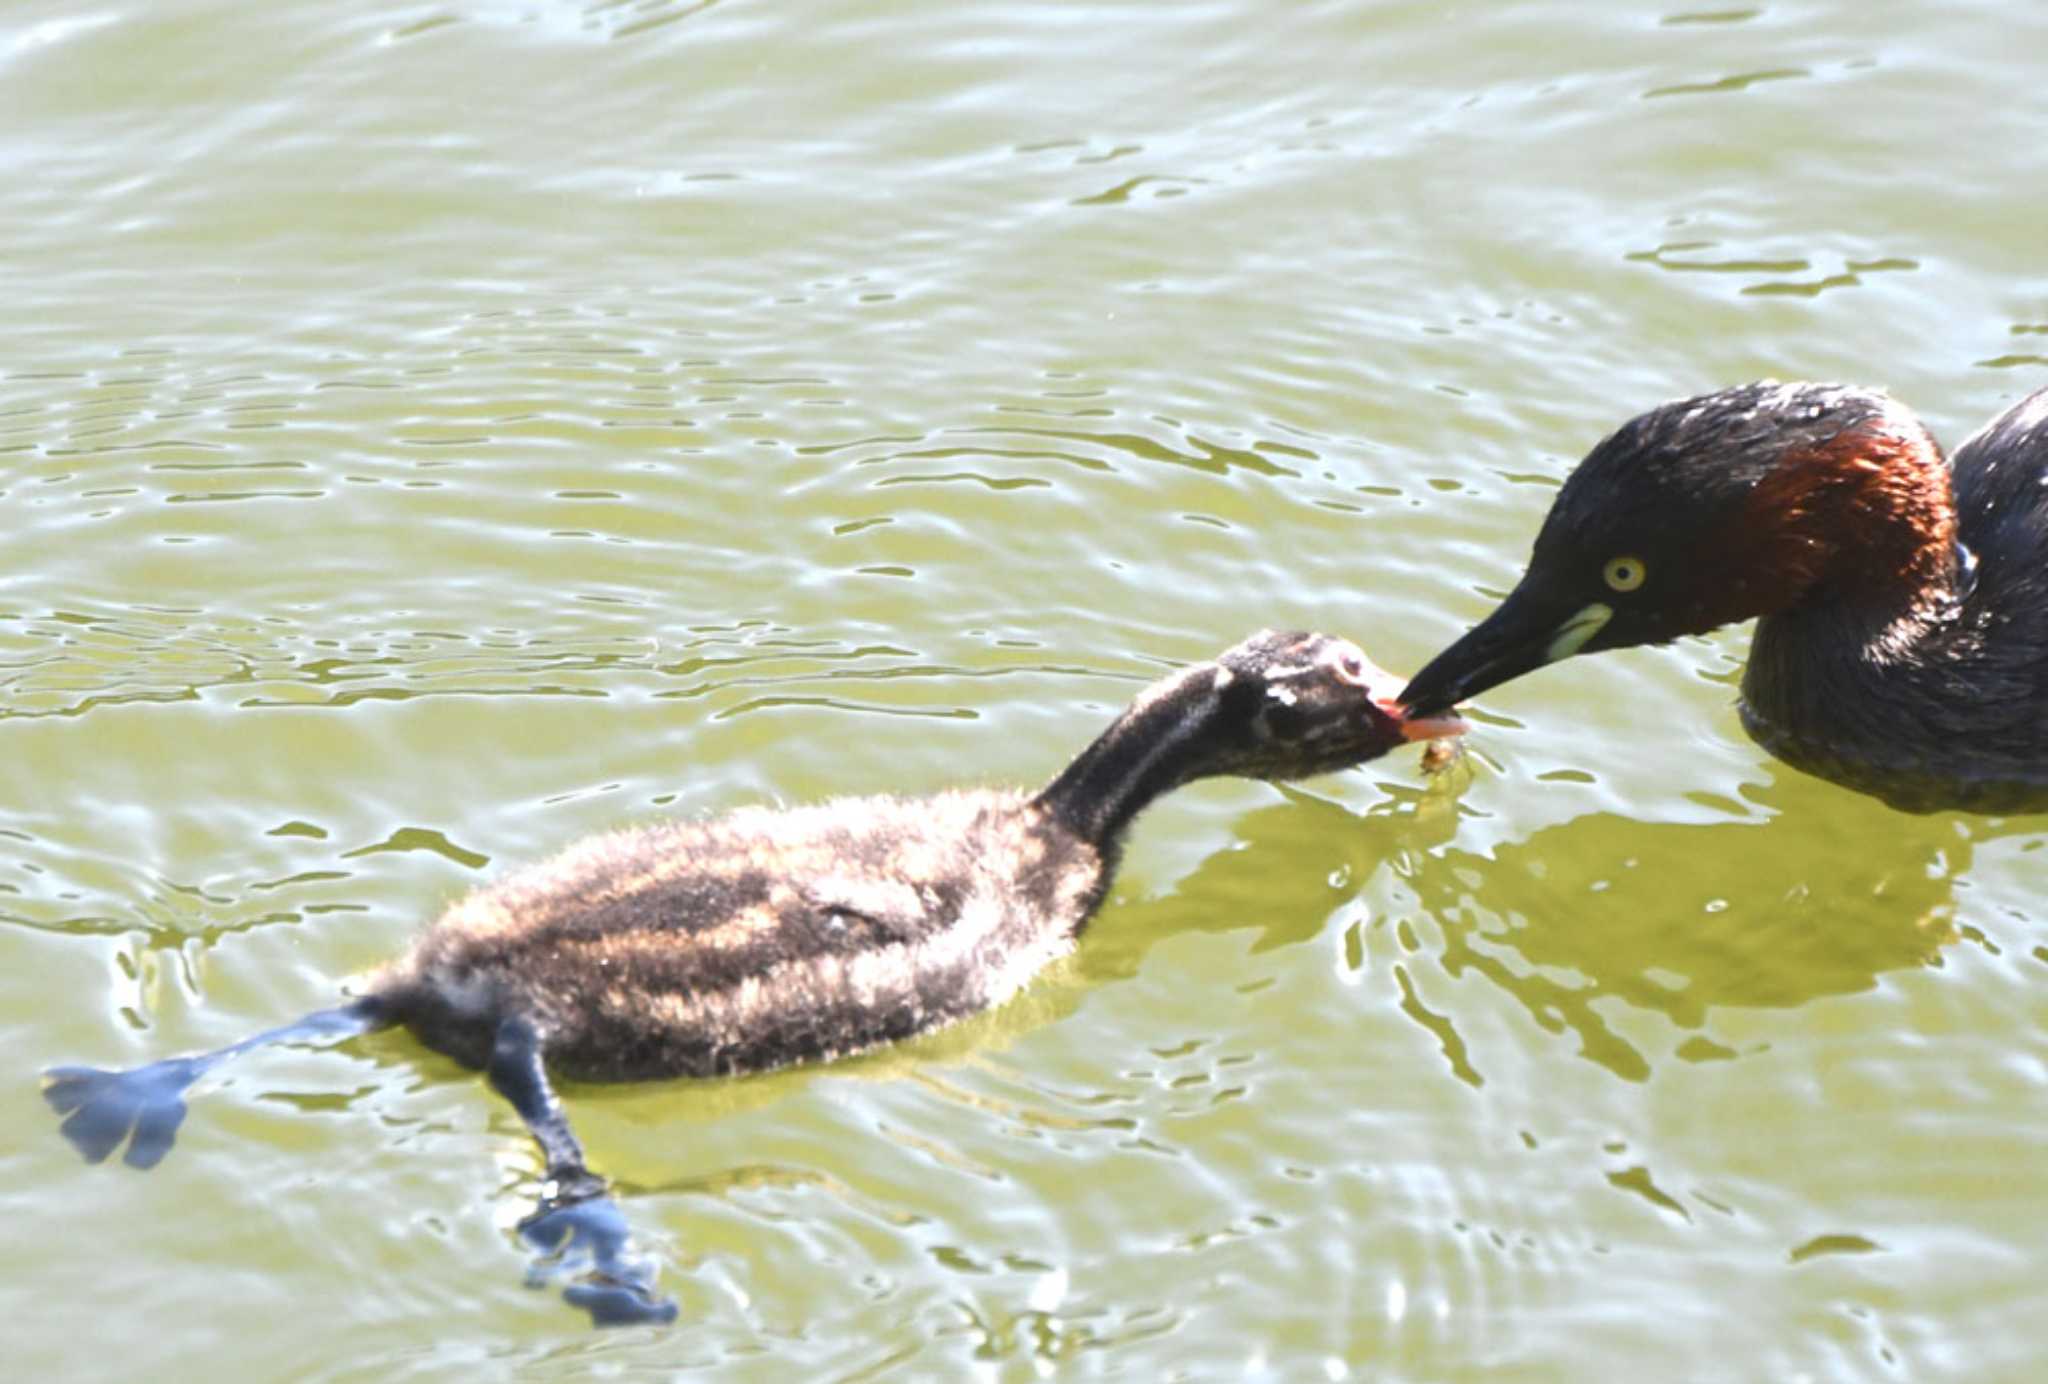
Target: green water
430,432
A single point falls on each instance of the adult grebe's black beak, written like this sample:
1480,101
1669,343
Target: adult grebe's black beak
1531,627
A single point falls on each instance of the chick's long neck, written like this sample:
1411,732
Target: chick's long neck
1155,746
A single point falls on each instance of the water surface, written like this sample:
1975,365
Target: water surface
430,432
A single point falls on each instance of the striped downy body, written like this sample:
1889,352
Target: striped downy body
756,940
767,937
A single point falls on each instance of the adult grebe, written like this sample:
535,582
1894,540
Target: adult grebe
1903,644
768,937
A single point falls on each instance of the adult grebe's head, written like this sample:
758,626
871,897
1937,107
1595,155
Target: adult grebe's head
1711,510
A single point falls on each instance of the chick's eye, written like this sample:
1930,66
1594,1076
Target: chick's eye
1624,573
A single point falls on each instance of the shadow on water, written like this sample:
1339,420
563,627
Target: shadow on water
1292,865
1818,894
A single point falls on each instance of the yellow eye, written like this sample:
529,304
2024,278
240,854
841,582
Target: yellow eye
1624,573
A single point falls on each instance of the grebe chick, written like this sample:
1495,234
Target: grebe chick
1902,648
767,937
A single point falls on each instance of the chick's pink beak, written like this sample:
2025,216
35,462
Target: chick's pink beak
1385,690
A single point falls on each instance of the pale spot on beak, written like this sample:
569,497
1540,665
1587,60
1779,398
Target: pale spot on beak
1572,635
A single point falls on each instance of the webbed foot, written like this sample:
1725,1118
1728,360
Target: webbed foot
101,1109
585,1241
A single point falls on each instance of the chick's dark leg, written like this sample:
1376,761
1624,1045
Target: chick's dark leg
577,1227
144,1106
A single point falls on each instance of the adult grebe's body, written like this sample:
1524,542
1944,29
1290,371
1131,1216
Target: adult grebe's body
769,937
1902,648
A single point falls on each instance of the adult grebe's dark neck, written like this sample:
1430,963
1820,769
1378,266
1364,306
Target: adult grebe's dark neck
1949,726
1906,692
1155,746
1844,679
1863,519
1856,691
